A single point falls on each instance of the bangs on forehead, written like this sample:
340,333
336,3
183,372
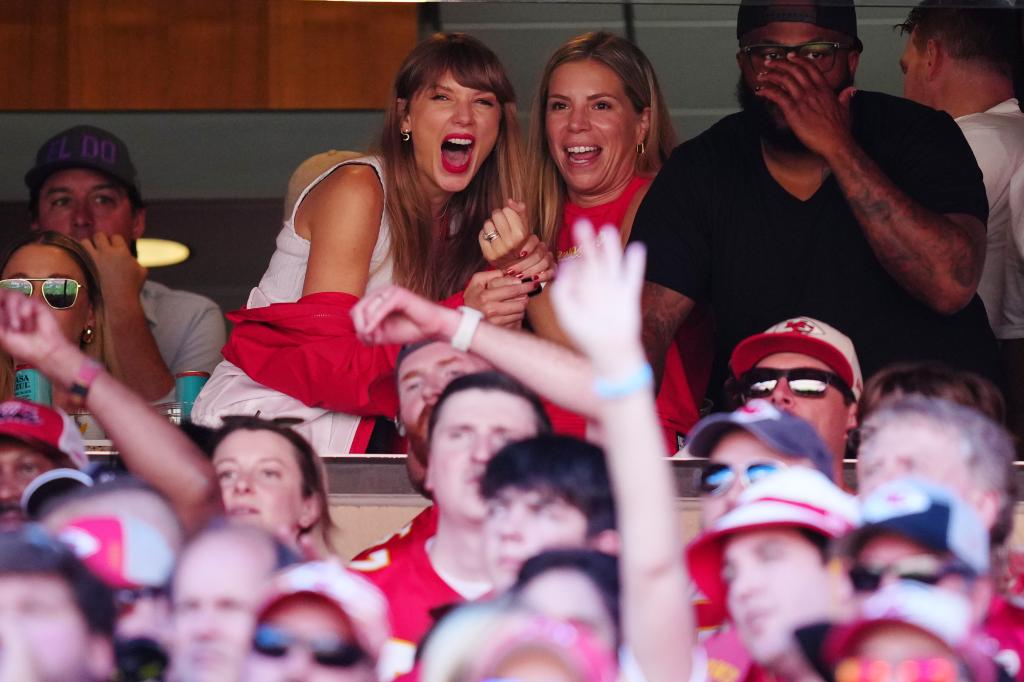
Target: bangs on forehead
475,74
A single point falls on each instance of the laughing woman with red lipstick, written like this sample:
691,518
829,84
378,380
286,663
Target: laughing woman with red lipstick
599,132
448,157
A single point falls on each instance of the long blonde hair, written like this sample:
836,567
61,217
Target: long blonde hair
100,346
639,81
431,264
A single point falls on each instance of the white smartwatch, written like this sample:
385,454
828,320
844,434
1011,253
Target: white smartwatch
467,327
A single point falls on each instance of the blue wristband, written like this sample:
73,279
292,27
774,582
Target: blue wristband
642,378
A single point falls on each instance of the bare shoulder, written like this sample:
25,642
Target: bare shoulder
350,196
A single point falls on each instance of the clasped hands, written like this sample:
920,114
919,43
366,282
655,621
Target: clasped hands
521,262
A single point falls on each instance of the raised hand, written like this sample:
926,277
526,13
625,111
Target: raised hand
30,333
597,299
818,116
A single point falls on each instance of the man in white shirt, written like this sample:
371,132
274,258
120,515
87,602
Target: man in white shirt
961,61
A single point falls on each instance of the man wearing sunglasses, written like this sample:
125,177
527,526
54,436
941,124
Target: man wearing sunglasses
920,531
749,444
319,623
84,185
807,368
857,208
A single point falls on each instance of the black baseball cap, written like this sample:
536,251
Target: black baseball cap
835,15
85,147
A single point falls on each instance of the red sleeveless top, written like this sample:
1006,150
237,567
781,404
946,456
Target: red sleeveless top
688,360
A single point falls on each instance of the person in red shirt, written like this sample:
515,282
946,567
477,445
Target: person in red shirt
474,417
423,370
600,131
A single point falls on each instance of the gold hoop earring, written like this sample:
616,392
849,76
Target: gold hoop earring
406,136
87,335
640,149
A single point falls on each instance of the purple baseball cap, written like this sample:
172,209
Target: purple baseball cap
85,147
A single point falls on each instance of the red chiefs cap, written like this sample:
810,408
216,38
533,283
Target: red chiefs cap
355,597
797,497
806,336
123,552
51,431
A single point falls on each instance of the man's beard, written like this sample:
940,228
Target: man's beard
419,450
760,111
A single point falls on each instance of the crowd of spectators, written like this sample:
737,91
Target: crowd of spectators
829,274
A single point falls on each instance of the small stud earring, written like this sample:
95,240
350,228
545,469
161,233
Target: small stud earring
87,335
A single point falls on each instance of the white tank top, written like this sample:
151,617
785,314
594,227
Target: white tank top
230,391
283,280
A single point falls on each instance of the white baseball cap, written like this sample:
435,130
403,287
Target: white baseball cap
797,497
806,336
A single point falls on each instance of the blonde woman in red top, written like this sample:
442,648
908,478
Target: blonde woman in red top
599,133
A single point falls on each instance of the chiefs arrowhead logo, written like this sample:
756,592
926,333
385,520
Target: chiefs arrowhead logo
801,326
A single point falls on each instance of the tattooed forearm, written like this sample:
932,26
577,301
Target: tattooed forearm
663,310
937,258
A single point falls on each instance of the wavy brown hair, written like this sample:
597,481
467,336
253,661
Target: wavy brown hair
100,348
639,81
433,265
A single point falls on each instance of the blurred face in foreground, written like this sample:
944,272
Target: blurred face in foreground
738,459
305,638
42,626
570,596
777,581
217,585
919,447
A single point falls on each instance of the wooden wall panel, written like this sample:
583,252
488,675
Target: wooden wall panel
199,54
328,52
33,54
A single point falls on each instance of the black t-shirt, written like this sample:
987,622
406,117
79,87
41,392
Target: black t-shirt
719,228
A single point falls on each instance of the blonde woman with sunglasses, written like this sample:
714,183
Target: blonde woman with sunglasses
56,269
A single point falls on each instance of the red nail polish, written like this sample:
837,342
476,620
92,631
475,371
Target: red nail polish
522,254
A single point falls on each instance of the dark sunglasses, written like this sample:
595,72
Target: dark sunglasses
805,382
60,293
127,597
718,478
925,569
327,651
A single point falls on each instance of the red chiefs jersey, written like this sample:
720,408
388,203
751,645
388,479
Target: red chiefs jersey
688,360
1005,625
401,569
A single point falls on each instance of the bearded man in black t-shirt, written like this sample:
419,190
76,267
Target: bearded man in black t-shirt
859,209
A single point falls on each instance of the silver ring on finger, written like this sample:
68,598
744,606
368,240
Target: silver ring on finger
491,236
